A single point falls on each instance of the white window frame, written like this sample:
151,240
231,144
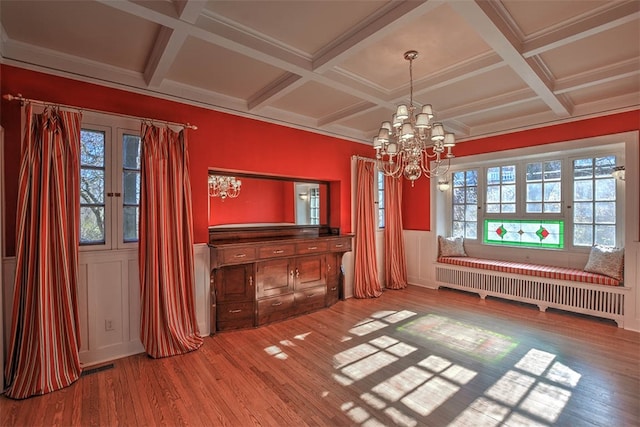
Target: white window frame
115,127
520,157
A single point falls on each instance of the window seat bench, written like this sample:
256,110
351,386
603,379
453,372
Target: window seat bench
546,286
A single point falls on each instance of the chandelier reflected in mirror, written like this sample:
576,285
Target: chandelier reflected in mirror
411,144
224,186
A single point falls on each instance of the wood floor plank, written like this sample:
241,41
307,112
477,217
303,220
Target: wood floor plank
416,357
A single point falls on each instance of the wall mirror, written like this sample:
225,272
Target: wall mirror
258,200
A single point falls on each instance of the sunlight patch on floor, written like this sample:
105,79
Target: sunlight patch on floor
478,342
430,396
367,328
368,365
276,352
533,393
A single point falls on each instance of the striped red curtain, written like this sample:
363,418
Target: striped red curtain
43,354
168,319
366,283
395,263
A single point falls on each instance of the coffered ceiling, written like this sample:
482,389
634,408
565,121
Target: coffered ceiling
337,67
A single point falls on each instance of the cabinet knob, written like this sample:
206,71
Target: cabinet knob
250,280
297,273
277,303
240,255
278,251
312,248
235,311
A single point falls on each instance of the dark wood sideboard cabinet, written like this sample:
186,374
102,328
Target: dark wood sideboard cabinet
261,275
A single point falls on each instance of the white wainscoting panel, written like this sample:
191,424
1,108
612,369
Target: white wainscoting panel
420,252
109,306
202,284
632,280
109,302
348,263
8,277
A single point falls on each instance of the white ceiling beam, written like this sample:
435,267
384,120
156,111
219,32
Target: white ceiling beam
352,111
169,42
274,91
618,14
599,76
483,18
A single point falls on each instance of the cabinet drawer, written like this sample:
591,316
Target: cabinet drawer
235,311
311,247
238,255
232,325
276,250
275,308
340,245
310,299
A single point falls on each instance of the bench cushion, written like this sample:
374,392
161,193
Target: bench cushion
547,271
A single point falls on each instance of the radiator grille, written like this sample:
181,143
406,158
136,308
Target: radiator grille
607,302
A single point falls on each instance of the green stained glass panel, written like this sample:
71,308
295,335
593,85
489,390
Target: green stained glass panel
525,233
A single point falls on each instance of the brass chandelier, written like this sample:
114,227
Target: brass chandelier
410,145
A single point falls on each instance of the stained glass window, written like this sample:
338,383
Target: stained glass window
525,233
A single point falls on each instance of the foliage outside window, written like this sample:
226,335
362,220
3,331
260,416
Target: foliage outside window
501,189
109,186
131,186
594,201
465,204
544,187
546,213
92,187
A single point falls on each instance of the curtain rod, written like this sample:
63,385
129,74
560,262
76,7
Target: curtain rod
20,98
366,159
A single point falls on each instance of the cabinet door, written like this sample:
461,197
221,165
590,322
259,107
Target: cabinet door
310,272
234,283
274,277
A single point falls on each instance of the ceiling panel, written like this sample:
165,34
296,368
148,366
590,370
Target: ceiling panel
481,87
595,52
532,17
303,25
442,39
337,67
315,100
618,87
85,29
217,69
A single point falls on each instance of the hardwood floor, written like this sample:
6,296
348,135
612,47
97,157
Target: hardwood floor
413,357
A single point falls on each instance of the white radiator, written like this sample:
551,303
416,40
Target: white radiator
596,300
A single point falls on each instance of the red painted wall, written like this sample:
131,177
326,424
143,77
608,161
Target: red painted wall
222,141
228,142
260,200
416,212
